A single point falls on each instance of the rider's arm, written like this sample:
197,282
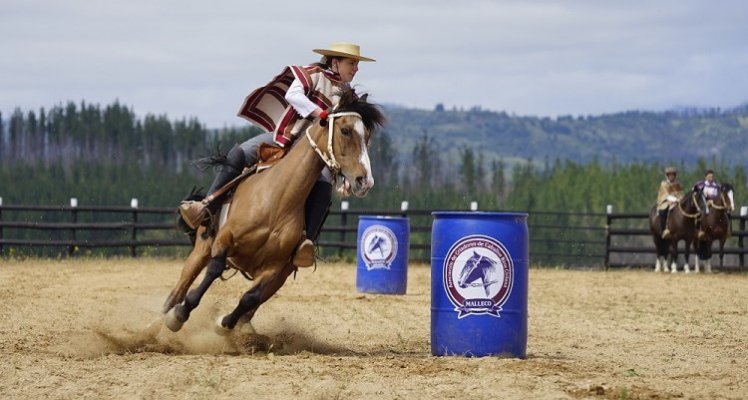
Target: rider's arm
296,97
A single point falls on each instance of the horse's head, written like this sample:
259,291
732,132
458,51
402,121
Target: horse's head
727,191
349,129
693,202
469,271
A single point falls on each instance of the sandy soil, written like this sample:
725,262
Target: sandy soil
80,329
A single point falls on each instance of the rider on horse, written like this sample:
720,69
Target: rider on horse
284,108
709,189
669,194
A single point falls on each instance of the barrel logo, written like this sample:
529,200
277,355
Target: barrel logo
478,276
378,247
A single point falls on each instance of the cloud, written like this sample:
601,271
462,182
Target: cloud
543,58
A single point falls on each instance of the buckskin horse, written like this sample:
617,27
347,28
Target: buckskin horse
715,223
266,219
682,225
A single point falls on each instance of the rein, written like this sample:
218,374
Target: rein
694,215
718,207
329,158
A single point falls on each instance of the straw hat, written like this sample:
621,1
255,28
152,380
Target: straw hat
670,170
343,49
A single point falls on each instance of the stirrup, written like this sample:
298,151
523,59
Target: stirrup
304,256
666,234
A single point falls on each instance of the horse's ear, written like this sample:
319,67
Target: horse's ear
475,253
364,97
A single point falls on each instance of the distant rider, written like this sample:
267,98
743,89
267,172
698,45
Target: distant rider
669,194
709,189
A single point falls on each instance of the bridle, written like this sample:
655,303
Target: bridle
710,202
329,158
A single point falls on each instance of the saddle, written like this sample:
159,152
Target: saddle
269,155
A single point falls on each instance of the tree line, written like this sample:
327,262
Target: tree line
106,155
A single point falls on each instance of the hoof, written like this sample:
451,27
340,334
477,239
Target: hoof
220,329
171,321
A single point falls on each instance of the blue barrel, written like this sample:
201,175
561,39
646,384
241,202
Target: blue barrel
479,284
382,254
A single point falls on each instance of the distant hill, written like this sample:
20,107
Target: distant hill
680,136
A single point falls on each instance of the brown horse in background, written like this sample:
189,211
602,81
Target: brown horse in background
682,225
715,223
266,219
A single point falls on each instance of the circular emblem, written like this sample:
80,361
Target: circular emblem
478,275
378,247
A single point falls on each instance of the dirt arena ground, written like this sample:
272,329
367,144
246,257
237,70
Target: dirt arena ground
79,329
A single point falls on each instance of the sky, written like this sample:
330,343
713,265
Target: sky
544,58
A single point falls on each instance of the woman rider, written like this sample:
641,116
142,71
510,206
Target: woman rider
668,195
284,108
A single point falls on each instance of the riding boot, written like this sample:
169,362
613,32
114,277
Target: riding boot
196,212
663,223
315,211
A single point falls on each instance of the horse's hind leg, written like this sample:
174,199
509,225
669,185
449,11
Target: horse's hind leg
181,312
265,288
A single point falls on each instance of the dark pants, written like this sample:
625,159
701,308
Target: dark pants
663,218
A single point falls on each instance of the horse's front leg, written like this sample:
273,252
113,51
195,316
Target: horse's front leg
267,284
194,264
672,257
178,315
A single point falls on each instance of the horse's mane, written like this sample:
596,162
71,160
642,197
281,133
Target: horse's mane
371,114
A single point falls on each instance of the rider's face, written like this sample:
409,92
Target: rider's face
671,177
346,68
709,177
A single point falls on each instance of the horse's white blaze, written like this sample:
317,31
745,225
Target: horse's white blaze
364,159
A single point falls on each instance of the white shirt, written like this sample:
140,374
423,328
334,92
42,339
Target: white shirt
296,97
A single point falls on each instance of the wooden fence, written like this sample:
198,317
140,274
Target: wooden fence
556,238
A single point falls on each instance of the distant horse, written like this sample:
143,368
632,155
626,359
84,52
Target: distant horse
266,220
478,267
682,223
376,244
715,223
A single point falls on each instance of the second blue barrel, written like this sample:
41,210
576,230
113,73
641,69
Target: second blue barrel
382,254
479,281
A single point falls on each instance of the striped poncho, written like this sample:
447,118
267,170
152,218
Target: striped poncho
267,107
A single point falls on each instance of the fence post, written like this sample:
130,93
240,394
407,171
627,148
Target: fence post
743,214
608,212
473,206
1,226
74,212
404,208
344,224
133,235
